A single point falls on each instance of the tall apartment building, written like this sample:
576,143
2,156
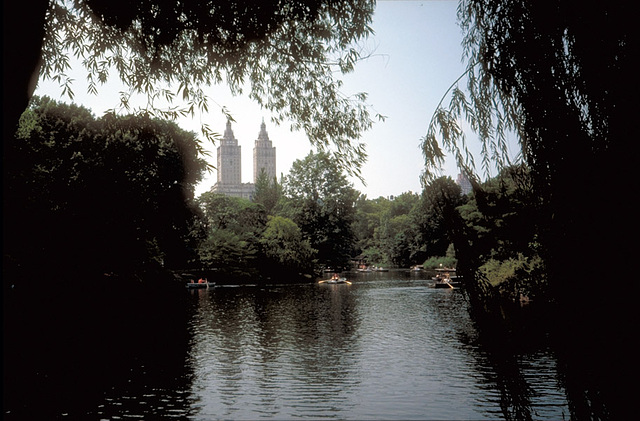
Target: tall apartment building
264,155
230,163
229,159
464,183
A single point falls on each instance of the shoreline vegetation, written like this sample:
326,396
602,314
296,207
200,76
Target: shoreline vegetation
73,183
86,196
308,220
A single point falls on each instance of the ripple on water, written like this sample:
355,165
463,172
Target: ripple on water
385,349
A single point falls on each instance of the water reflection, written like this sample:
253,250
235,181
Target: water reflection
96,351
387,347
519,371
267,351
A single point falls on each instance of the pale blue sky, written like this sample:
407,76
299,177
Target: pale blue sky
417,57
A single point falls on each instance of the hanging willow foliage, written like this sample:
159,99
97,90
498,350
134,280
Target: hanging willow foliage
554,73
487,111
284,54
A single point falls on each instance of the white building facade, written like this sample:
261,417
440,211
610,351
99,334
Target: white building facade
264,155
230,164
464,183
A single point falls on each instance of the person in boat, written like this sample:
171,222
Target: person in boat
335,277
202,281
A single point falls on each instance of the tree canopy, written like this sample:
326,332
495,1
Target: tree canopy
557,74
284,54
242,242
268,192
98,195
540,70
322,204
285,250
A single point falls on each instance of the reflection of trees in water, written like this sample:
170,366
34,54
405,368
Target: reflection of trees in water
285,349
515,392
502,354
593,364
94,350
586,374
246,339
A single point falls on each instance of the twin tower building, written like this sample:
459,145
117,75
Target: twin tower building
230,164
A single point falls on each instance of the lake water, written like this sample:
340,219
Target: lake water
388,346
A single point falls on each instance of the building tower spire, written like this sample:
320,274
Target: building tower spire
228,134
264,155
263,136
229,162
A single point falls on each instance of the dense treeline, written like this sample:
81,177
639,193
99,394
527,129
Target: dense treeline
291,229
111,199
95,210
491,235
114,195
88,195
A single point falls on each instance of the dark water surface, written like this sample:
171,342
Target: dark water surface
389,346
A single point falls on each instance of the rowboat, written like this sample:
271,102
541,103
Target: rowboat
194,285
443,279
335,281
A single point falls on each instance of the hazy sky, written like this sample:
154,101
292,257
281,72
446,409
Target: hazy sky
417,57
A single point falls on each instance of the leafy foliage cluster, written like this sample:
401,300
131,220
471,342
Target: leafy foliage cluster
500,236
292,227
317,219
118,193
232,227
321,202
242,241
410,228
286,250
386,230
98,195
491,236
540,70
448,261
285,54
557,74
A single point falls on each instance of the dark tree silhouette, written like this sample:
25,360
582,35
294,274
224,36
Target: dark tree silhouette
91,196
283,53
559,74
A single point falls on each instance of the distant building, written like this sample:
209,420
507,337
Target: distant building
229,159
243,190
464,183
230,164
264,155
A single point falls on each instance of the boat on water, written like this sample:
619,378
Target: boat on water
416,268
335,281
201,283
379,269
445,279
